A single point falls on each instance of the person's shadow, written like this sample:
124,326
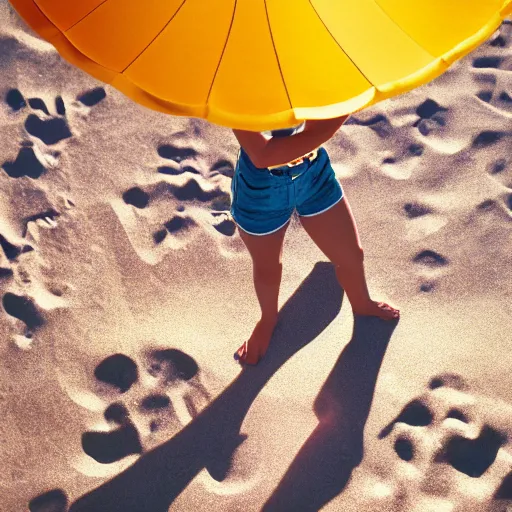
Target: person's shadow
154,481
323,467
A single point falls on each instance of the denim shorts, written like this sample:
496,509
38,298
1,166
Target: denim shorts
262,202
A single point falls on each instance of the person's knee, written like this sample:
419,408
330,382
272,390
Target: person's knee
268,271
349,258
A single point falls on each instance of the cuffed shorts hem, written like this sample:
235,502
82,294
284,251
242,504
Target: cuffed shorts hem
260,234
321,211
339,194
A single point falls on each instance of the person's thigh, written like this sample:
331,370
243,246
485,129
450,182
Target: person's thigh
260,202
335,232
266,251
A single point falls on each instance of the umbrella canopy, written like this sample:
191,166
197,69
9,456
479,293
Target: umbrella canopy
263,64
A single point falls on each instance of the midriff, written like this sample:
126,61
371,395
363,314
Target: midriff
295,160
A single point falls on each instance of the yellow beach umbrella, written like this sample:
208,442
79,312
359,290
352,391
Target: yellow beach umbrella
263,64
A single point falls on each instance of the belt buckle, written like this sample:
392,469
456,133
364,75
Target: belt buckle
298,161
293,163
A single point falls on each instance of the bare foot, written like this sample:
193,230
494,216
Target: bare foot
255,347
380,309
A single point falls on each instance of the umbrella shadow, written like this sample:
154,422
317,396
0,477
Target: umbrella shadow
323,466
154,481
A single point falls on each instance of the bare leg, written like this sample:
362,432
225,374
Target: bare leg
266,254
335,233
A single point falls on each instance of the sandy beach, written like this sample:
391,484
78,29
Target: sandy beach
126,290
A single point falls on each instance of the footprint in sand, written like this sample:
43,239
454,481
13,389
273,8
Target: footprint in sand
92,97
501,171
187,193
49,128
136,197
489,138
154,198
488,62
399,162
20,267
451,445
414,210
12,251
23,308
431,117
430,259
160,396
51,501
184,160
495,91
379,123
431,266
422,222
402,163
501,100
30,162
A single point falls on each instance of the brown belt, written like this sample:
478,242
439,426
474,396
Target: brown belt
310,156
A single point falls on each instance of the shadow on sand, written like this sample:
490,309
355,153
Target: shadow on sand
154,481
322,468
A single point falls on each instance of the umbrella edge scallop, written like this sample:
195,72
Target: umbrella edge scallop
291,116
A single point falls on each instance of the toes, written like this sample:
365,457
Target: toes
242,356
381,310
395,313
387,307
241,353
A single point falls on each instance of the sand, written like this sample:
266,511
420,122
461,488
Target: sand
126,289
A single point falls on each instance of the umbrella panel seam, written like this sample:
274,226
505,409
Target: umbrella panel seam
156,37
277,56
221,55
404,31
339,45
83,18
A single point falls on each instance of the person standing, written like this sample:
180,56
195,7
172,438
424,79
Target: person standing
272,178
